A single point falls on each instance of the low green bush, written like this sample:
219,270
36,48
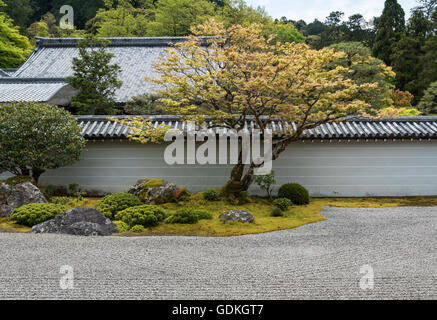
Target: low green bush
61,200
276,212
36,213
211,195
243,197
145,215
121,226
203,214
137,228
183,216
75,191
294,192
282,203
114,203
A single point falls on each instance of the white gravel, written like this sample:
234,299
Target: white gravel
318,261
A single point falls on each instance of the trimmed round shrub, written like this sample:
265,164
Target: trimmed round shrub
203,214
36,213
137,228
122,226
114,203
211,195
276,213
295,192
282,203
183,216
145,215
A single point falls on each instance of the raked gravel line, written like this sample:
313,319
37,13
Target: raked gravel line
316,261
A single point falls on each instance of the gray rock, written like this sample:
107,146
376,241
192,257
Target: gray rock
237,215
13,197
156,194
81,221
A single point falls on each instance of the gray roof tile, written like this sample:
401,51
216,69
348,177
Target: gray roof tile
27,91
99,127
52,58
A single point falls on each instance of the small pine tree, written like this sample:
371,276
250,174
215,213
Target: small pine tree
95,78
266,182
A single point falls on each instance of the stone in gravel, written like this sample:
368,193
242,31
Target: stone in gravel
13,197
237,215
81,221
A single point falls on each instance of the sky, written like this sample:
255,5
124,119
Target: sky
309,10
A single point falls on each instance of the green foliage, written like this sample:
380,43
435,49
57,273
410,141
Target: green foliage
232,188
409,55
282,203
276,213
137,229
146,104
95,78
48,191
123,21
61,200
20,11
334,31
14,48
203,214
284,32
121,226
239,12
35,137
75,191
83,10
366,69
294,192
36,213
428,104
114,203
175,17
390,27
429,69
183,216
145,215
13,181
48,27
211,195
266,182
243,197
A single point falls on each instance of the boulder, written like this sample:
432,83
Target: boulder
237,215
13,197
81,221
157,191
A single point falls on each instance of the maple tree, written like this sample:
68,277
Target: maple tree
237,74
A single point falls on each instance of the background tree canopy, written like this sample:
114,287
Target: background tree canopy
14,47
408,47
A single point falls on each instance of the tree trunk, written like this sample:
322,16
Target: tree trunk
235,185
238,182
25,172
36,173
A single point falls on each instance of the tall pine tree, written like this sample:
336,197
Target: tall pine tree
407,57
390,28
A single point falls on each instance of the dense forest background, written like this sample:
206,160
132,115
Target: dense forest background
409,47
